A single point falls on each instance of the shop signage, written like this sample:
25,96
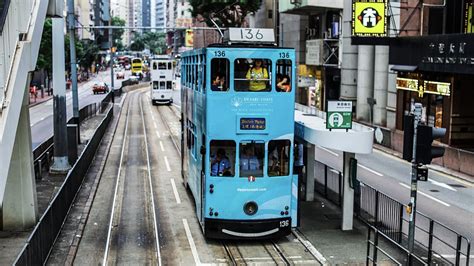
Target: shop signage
369,18
451,53
314,52
426,86
304,81
339,115
469,18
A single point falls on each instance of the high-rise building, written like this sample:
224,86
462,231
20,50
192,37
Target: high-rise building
101,9
160,14
85,17
120,8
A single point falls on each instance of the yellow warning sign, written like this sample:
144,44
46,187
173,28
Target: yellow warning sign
469,19
369,19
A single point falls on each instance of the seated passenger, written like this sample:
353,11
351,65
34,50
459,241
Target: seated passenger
248,161
258,76
283,83
220,165
218,83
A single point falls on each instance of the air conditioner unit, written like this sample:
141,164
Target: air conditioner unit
295,2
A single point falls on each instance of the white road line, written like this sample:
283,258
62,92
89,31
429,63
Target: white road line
158,134
175,191
161,146
441,184
311,248
329,151
452,256
370,170
158,253
426,195
167,164
153,118
191,242
177,106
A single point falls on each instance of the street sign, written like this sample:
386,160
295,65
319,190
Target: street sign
339,115
369,18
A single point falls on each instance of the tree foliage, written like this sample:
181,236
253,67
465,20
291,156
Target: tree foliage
224,13
154,41
118,33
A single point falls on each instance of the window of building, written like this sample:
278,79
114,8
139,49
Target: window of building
222,158
278,157
252,74
220,69
283,76
251,157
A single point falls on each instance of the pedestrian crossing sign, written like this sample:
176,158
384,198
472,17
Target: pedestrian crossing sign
369,18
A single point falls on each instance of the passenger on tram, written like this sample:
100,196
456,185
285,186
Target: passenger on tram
283,83
218,83
248,160
220,165
258,76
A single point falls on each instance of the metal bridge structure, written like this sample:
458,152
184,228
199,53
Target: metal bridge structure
20,37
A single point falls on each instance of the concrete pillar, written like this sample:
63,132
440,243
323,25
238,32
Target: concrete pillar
365,84
60,164
349,57
310,173
391,98
380,85
348,198
20,206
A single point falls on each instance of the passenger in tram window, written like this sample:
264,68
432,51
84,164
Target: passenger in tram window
218,83
283,83
258,76
248,160
220,165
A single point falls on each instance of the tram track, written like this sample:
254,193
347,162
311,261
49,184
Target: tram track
134,172
272,253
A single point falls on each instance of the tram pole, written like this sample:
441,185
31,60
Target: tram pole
72,48
414,181
111,63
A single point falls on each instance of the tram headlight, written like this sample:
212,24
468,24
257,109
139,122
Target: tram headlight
250,208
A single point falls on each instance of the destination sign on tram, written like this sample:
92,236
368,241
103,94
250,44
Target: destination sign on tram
252,124
251,35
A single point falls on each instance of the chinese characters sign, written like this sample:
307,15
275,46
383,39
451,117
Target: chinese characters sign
339,115
428,86
469,18
252,124
369,18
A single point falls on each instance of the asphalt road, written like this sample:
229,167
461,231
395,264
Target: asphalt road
41,115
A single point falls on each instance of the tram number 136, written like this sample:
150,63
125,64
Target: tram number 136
251,34
285,223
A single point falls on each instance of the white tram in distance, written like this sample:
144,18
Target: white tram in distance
162,80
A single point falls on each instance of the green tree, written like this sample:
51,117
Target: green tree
118,33
224,13
155,41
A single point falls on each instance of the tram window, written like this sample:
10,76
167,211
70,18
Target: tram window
283,82
169,85
251,156
155,66
161,65
278,157
155,85
220,69
169,66
222,157
252,74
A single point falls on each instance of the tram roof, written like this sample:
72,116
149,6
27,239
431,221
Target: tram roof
240,45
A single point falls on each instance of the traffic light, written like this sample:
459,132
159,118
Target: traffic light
425,152
408,137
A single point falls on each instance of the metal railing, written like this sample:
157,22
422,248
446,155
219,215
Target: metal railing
39,244
388,217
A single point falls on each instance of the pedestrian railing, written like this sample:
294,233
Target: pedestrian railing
435,242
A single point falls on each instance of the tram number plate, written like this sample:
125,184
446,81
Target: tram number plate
252,124
285,223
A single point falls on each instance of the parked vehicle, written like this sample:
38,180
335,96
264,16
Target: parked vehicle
120,74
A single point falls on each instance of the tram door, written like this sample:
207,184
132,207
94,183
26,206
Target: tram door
202,188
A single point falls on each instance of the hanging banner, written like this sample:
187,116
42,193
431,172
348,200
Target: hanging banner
189,38
369,18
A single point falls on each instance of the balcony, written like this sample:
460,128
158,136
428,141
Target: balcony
306,7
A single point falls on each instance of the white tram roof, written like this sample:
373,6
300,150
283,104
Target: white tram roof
359,139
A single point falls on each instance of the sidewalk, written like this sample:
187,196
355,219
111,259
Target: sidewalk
38,100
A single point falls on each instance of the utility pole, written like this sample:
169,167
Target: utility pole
111,62
60,164
72,48
414,180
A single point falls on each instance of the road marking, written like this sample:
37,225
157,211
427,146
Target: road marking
153,118
452,256
177,106
370,170
329,151
311,248
441,184
161,146
191,242
175,191
426,195
158,134
167,164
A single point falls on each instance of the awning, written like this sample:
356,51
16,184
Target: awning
403,68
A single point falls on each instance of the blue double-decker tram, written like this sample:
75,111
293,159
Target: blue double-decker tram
238,138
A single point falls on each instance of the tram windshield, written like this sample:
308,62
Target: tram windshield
278,157
252,154
252,74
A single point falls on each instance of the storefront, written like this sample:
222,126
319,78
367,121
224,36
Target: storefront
437,71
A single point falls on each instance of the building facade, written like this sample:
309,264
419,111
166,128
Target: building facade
101,10
85,17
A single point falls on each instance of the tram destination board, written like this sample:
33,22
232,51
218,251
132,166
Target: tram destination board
252,124
250,35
